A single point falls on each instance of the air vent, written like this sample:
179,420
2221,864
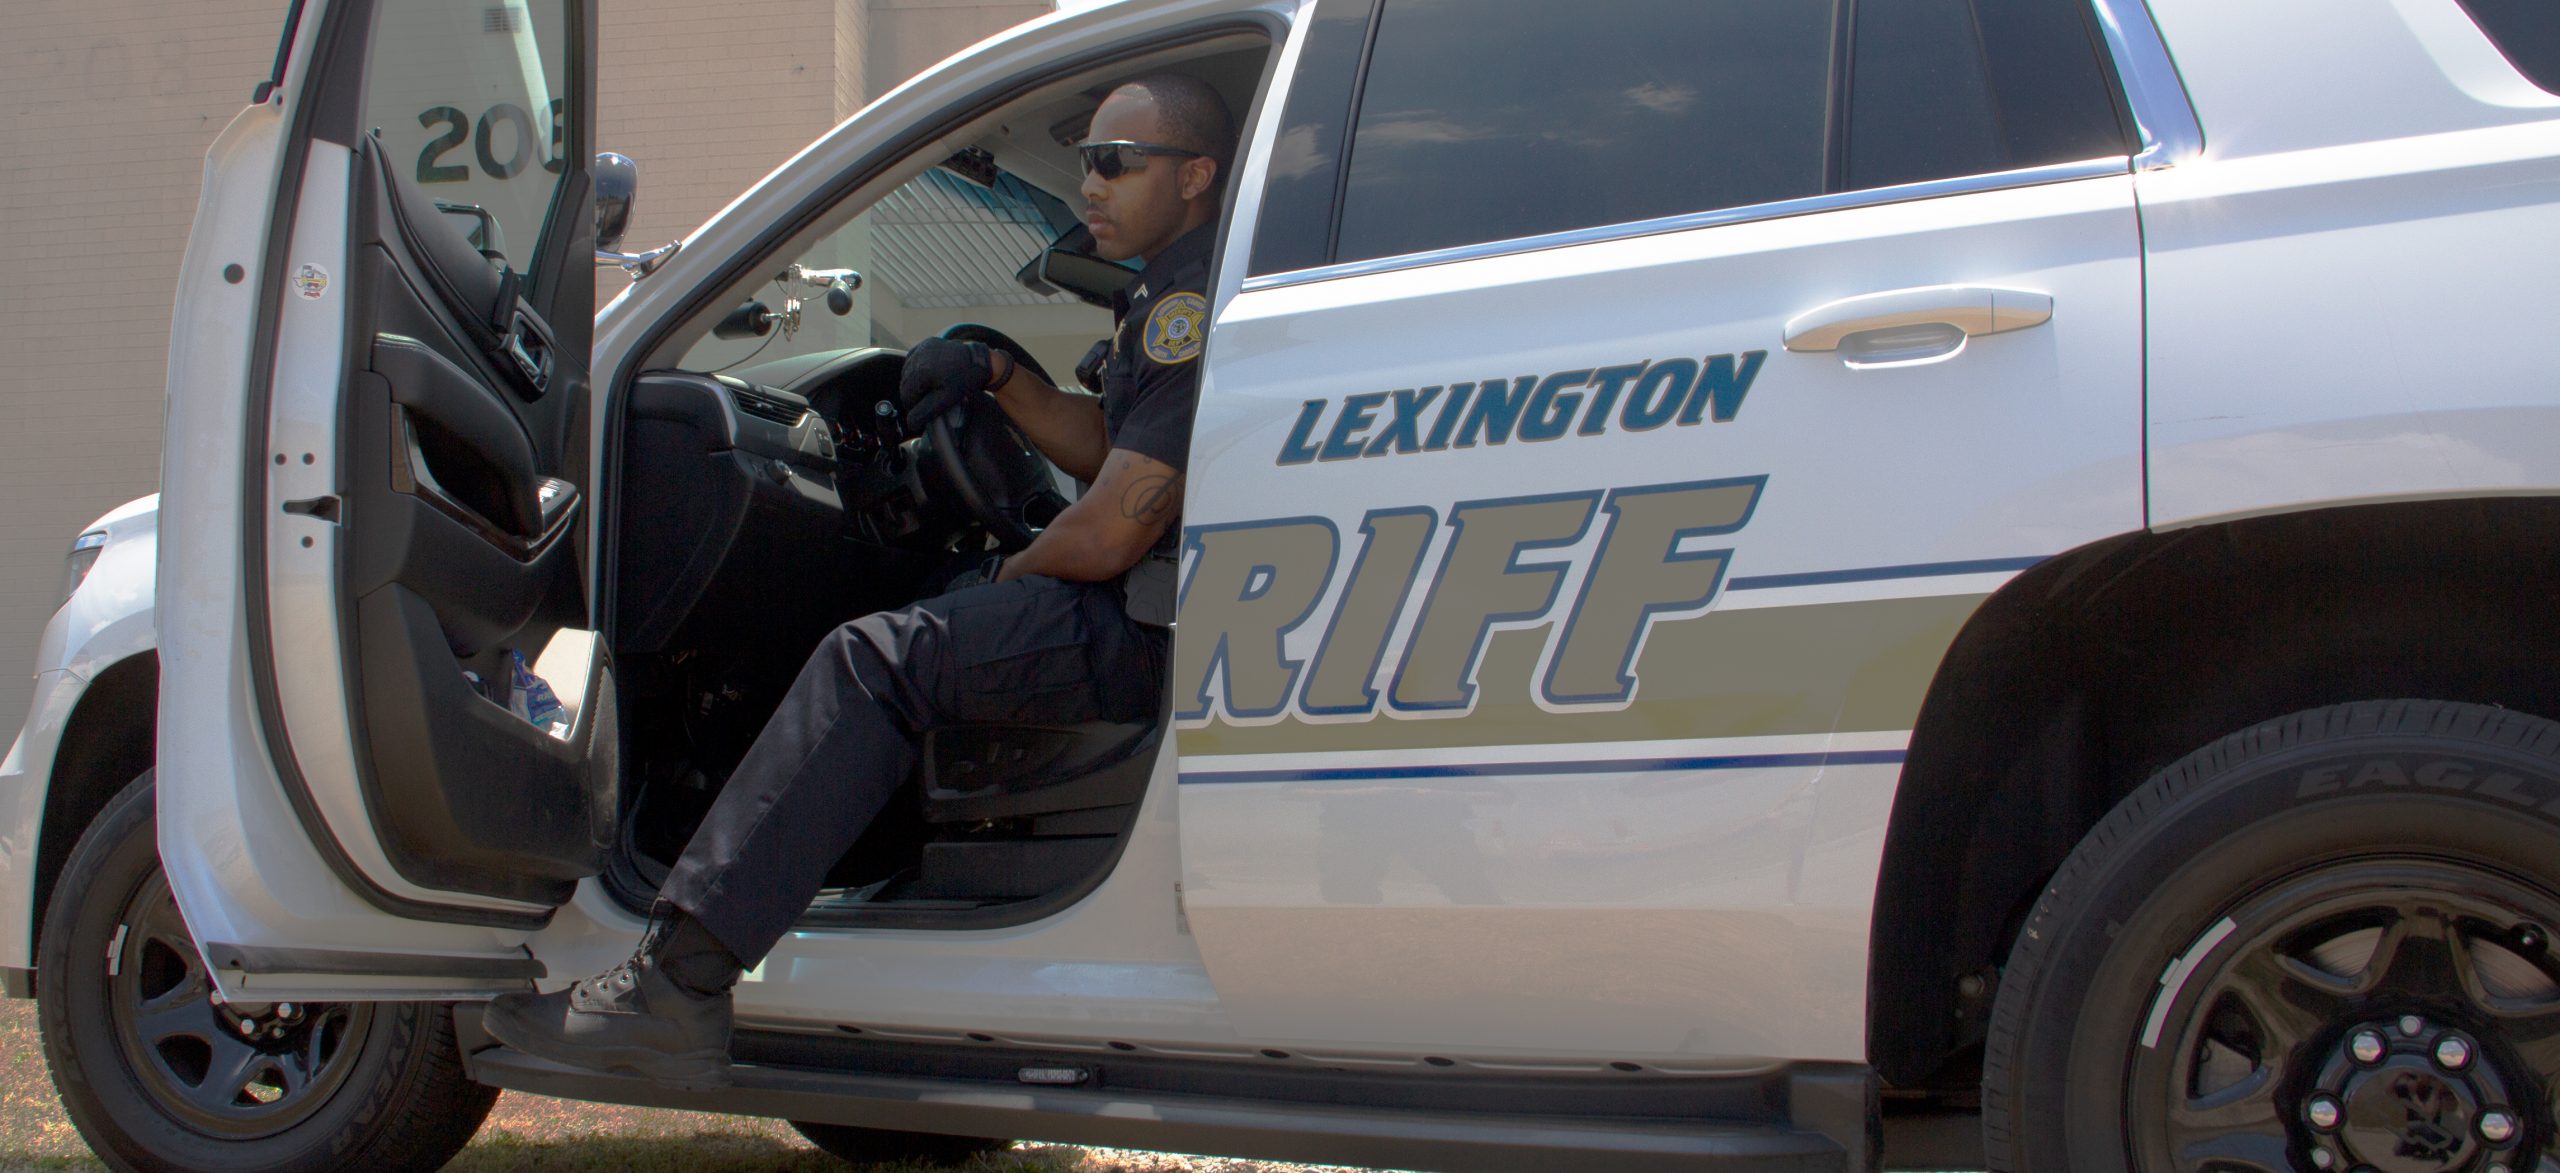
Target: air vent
502,19
786,414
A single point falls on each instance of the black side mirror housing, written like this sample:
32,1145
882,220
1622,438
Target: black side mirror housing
616,178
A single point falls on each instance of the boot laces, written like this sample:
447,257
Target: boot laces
620,986
616,986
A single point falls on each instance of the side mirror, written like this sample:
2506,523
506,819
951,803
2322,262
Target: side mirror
616,179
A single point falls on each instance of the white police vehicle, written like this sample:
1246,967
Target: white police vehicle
1781,585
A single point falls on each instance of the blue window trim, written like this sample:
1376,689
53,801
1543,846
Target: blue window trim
1766,761
1762,582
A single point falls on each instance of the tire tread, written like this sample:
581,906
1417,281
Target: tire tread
2189,779
419,1112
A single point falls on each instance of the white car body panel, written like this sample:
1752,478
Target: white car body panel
238,859
2351,158
303,552
24,777
104,623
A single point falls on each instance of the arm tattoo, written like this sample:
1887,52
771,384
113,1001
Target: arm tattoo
1148,499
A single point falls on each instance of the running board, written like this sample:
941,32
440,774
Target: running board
260,960
1401,1138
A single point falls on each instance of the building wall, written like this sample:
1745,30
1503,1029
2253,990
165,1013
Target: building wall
107,106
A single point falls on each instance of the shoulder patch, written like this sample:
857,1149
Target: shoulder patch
1175,328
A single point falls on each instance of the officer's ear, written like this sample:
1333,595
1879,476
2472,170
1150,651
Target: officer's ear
1199,175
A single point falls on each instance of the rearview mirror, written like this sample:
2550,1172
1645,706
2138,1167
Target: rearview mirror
1069,264
1084,274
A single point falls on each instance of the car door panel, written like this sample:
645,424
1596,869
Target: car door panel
1692,851
413,495
1553,630
450,556
1565,572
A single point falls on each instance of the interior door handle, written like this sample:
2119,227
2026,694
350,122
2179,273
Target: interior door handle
1971,309
465,408
410,474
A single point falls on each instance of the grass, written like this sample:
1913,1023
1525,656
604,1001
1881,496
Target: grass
542,1135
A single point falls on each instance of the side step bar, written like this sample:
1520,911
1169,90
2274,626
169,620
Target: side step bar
1323,1133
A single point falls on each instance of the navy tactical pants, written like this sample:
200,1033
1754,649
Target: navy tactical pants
1032,651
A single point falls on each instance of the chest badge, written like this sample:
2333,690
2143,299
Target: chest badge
1176,327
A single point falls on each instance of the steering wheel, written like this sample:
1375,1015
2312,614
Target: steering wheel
1001,481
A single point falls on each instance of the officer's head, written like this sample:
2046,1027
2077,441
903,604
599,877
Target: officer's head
1153,161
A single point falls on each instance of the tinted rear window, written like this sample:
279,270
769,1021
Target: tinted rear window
1967,87
1494,119
1472,121
1306,161
2527,31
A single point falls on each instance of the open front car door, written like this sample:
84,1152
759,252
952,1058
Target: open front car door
377,473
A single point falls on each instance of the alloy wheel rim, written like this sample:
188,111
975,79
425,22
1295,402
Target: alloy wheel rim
2393,1016
233,1070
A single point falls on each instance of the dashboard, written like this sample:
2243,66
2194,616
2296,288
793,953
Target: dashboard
729,483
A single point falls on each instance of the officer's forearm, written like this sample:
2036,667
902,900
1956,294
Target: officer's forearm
1073,553
1064,426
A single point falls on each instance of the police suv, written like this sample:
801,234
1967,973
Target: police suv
1806,584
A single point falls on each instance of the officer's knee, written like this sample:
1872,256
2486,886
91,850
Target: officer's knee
864,648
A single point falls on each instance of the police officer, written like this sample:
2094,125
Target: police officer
1069,629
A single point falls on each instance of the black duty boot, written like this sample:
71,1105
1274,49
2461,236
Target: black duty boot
662,1015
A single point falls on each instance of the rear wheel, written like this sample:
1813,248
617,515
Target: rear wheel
2323,943
159,1072
863,1146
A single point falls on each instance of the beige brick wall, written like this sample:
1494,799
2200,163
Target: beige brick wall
908,35
107,106
105,113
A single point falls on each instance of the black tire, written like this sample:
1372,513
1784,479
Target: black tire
148,1065
870,1146
2327,933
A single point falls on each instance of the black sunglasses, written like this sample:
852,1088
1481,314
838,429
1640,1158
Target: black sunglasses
1110,160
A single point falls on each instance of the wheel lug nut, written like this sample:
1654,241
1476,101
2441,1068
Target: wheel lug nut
248,1027
2323,1158
2322,1112
2411,1024
2497,1127
2366,1046
286,1009
2452,1053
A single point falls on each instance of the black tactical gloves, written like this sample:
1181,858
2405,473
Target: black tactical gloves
940,375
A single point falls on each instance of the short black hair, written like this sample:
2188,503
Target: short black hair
1194,116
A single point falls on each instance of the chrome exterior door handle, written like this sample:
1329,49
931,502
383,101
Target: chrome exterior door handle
1957,311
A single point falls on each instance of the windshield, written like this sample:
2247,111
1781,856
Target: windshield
961,242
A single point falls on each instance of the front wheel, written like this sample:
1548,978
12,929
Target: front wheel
2323,943
159,1072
